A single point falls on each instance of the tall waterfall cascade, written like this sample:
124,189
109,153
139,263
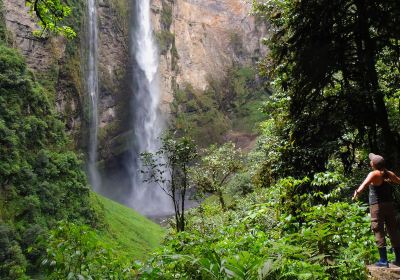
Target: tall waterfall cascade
93,89
148,120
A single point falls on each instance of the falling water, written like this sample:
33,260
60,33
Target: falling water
92,87
148,120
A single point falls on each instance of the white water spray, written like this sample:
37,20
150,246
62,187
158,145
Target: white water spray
148,121
92,87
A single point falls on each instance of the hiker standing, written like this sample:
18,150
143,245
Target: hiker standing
381,205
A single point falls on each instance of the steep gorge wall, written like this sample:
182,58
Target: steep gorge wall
60,66
198,39
55,67
114,74
209,37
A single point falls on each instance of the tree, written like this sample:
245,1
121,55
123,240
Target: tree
215,168
324,56
41,181
169,167
51,14
12,261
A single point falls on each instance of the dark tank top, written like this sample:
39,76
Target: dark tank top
381,193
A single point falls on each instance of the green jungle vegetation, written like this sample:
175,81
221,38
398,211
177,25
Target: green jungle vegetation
45,199
232,103
333,77
41,181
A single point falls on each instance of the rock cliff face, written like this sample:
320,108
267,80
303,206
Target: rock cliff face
198,39
114,95
60,65
48,59
209,36
40,54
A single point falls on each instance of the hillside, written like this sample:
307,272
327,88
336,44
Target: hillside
127,231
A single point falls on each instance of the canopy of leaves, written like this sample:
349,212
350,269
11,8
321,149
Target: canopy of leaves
325,57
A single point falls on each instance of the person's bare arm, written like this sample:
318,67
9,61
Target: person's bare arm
394,178
364,184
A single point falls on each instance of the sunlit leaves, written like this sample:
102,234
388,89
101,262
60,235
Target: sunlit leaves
51,15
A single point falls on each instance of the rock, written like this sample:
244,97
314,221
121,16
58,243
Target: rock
114,73
382,273
48,59
40,53
210,36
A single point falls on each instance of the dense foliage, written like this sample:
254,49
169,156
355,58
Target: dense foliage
262,239
331,61
75,252
41,182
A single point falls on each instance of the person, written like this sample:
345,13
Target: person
382,209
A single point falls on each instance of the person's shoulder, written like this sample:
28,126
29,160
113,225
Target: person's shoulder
374,175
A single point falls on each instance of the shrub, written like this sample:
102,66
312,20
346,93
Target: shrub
74,252
260,240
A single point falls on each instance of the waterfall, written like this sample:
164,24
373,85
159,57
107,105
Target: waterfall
92,87
148,120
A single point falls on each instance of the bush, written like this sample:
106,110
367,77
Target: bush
260,240
197,114
166,15
75,252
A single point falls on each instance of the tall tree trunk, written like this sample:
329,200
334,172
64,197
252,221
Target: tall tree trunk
221,200
183,195
174,200
367,56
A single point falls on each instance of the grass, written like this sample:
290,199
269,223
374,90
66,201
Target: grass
128,232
